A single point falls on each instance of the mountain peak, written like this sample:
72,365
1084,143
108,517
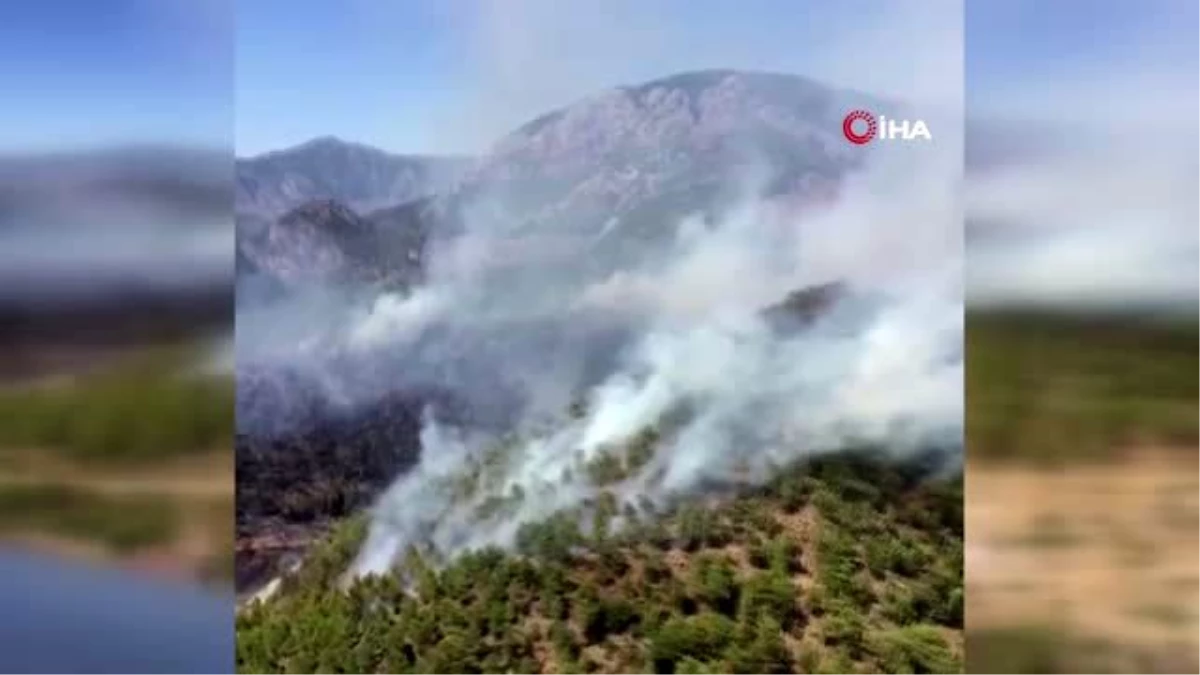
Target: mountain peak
694,84
688,137
360,176
698,80
320,144
325,141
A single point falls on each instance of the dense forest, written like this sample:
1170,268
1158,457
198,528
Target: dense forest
843,563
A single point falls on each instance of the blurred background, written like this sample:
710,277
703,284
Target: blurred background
1081,213
116,397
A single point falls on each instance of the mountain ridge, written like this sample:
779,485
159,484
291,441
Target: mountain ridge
600,188
361,176
602,180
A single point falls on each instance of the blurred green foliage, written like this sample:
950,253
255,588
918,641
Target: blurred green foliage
1050,649
783,578
1059,387
124,524
147,407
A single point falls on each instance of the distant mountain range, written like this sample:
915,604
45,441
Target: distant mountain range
598,181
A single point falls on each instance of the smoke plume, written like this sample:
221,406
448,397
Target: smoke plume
660,375
701,391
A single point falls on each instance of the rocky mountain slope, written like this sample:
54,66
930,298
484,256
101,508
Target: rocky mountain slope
609,154
600,180
605,177
598,186
326,242
359,176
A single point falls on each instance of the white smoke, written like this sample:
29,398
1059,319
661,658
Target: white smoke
679,342
731,397
396,319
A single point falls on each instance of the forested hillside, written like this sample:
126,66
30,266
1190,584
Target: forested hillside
848,563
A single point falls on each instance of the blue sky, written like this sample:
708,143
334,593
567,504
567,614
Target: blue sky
423,75
1071,55
451,75
311,68
78,73
403,74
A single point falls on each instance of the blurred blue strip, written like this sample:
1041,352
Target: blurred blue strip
61,617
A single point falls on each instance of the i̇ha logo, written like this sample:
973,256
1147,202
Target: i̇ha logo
861,128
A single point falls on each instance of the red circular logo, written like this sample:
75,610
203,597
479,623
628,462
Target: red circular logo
854,136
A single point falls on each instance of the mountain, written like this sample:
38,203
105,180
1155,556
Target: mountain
357,175
580,505
597,185
601,184
326,242
693,138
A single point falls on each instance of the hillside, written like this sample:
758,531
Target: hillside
357,175
596,186
847,563
325,242
571,410
612,154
